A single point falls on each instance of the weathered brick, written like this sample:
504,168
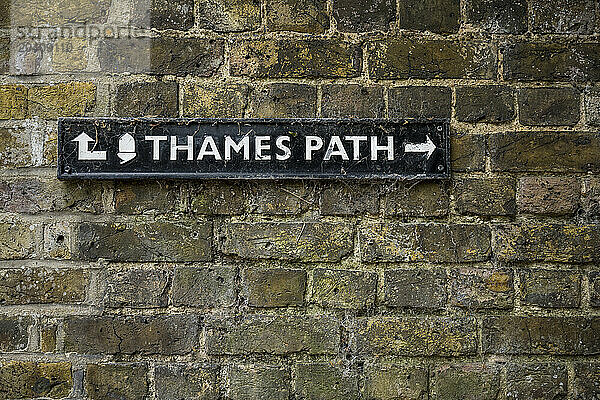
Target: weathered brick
420,102
137,288
25,379
587,380
166,334
186,381
367,101
13,102
300,241
271,334
63,100
545,151
161,56
33,13
276,287
476,288
163,14
42,286
215,100
393,382
548,195
550,289
13,333
229,15
492,104
307,16
344,289
430,59
548,106
537,381
219,198
204,287
440,16
48,338
153,241
248,382
4,42
421,199
530,61
283,100
18,240
424,242
285,58
498,16
485,196
465,381
590,198
146,197
70,55
594,278
349,199
116,381
416,336
146,99
592,106
320,381
33,195
564,16
353,16
282,198
552,242
541,335
415,288
467,153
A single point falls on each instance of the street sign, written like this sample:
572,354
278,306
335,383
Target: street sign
110,148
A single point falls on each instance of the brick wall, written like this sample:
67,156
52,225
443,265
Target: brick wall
485,286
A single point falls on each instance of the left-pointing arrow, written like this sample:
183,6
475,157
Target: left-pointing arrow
84,152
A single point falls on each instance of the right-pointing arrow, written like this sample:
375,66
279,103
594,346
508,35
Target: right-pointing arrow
427,147
84,153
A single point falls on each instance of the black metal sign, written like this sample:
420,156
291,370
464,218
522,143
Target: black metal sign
105,148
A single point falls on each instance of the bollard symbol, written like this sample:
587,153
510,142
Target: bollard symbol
126,148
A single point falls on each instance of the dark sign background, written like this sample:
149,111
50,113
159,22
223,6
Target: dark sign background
106,133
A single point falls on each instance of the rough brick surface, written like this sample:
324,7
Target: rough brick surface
414,336
138,288
23,379
420,199
179,381
594,279
432,242
272,335
549,106
288,241
498,16
415,288
274,287
492,104
495,196
325,381
367,101
308,16
173,334
550,289
587,380
537,381
466,381
42,286
420,102
544,151
352,16
548,195
404,58
248,382
481,288
204,287
560,243
122,381
155,99
343,289
541,335
388,382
